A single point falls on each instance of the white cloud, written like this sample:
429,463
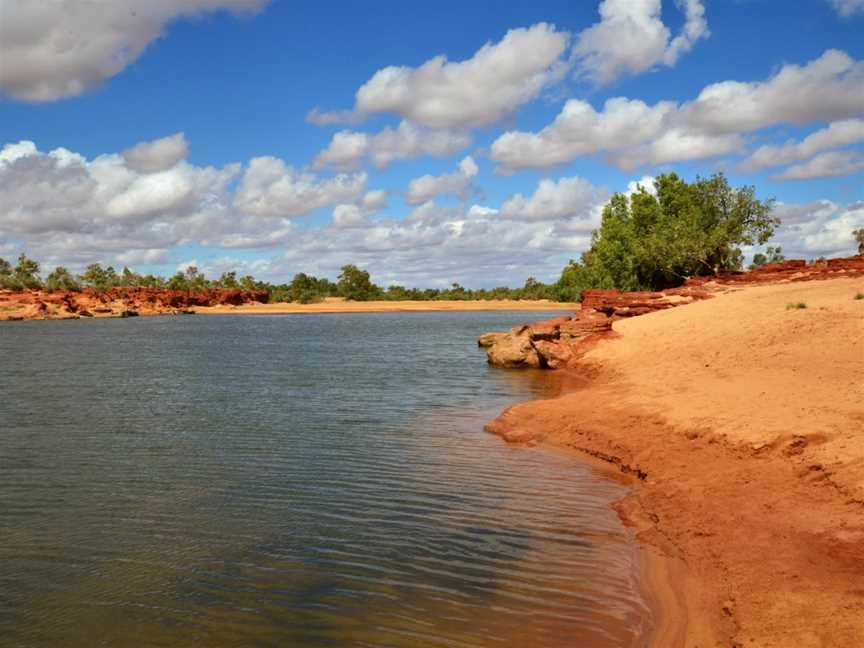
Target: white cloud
479,91
427,187
820,228
569,198
847,8
374,200
347,149
825,165
828,88
633,133
72,208
61,48
158,155
631,38
271,188
348,217
835,135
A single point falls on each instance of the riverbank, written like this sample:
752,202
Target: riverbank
339,305
741,419
120,301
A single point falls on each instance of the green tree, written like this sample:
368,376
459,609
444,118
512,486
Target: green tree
61,279
95,276
354,284
178,282
228,280
195,279
771,255
653,240
859,239
129,278
26,273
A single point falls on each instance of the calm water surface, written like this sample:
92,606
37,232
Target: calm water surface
311,480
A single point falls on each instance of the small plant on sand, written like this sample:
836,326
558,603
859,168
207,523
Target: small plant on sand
859,295
796,306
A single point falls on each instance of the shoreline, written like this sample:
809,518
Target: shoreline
336,306
738,420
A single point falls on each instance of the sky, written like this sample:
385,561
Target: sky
428,143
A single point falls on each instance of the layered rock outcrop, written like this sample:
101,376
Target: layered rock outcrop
116,302
558,342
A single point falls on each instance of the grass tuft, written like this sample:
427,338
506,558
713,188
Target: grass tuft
796,306
859,296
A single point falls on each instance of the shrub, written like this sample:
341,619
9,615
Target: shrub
796,306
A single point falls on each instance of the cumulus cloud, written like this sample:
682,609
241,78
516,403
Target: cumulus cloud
819,228
157,155
271,188
569,198
825,165
427,187
631,38
479,91
62,48
847,8
71,207
348,149
835,135
633,133
374,200
830,87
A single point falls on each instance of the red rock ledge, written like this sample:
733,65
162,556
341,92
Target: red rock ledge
115,302
559,342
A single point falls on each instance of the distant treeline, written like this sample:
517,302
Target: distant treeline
353,284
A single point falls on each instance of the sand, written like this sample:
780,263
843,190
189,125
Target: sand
744,422
338,305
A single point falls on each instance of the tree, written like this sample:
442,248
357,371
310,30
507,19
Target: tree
99,278
228,280
62,279
654,240
859,238
354,284
772,255
26,273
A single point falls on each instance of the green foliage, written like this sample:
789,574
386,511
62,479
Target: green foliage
354,284
95,276
858,234
772,255
62,279
652,241
859,296
26,273
228,280
796,306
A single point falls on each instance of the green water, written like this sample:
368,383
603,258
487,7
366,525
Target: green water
311,480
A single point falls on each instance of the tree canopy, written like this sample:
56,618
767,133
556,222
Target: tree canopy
657,239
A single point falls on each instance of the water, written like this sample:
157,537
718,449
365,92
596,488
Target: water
292,481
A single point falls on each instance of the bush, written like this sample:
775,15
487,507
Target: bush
657,240
796,306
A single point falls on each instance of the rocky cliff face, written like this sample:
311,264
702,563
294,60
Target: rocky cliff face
115,302
559,342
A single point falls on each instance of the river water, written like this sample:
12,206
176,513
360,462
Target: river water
312,480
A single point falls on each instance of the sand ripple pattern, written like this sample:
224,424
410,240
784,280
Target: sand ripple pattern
292,481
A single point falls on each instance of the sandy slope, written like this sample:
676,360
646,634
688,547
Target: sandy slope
746,422
336,305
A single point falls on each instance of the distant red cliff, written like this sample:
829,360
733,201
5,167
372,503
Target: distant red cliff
116,302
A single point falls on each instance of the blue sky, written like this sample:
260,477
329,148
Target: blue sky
231,174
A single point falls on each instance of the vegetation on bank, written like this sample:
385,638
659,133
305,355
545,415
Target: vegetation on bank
655,240
353,284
